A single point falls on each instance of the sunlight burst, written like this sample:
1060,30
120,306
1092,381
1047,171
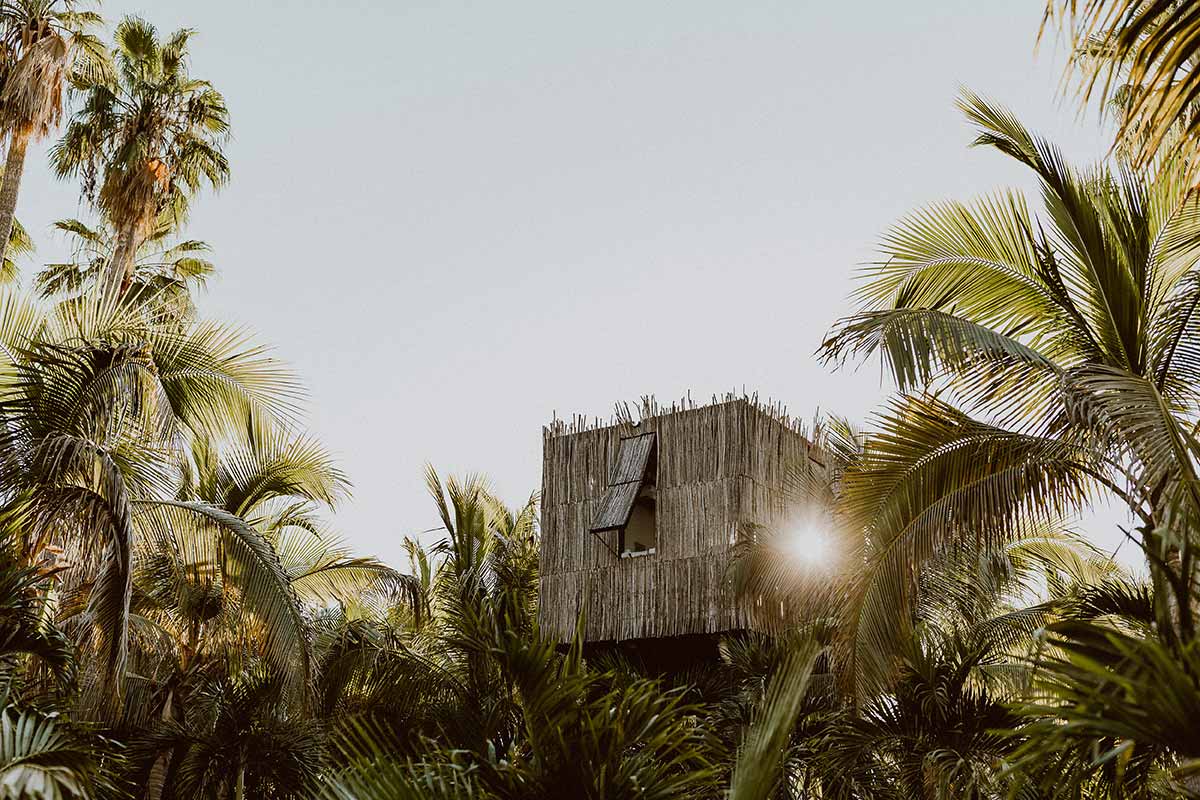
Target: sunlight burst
811,545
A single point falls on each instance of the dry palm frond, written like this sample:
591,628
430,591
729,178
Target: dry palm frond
1140,56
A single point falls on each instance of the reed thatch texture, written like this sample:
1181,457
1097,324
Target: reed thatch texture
719,468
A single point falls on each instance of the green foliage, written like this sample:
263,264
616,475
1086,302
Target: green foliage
938,733
42,758
239,737
758,766
179,620
1113,714
145,138
1042,362
166,273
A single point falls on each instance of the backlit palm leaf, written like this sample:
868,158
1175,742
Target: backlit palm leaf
213,375
931,478
1068,336
249,563
1141,56
321,571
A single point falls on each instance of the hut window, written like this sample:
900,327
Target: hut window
641,534
629,504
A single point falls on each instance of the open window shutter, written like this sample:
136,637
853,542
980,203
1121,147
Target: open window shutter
627,477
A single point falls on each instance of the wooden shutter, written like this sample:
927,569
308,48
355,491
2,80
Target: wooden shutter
626,480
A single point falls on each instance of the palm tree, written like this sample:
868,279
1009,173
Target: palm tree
1103,707
95,401
240,738
1042,361
470,700
938,734
199,615
267,491
929,717
1144,57
167,271
484,583
145,140
41,43
573,735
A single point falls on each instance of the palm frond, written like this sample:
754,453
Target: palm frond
214,378
250,563
1112,709
1139,56
933,478
41,758
756,772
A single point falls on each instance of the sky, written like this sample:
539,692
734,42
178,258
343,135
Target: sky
458,219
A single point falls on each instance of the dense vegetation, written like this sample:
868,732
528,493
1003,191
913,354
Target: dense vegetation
178,621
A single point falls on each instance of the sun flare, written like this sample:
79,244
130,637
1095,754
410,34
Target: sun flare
811,545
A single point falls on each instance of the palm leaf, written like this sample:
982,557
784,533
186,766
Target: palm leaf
757,769
40,758
1141,57
250,563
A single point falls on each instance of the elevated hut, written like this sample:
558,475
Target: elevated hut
640,518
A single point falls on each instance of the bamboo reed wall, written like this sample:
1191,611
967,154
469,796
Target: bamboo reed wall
719,467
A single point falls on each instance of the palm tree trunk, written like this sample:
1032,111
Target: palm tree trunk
120,269
158,773
14,167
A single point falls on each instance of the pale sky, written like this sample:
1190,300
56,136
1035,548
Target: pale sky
456,218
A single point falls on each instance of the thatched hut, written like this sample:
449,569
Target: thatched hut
640,518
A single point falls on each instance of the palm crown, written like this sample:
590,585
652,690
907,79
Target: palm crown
41,42
1062,350
145,140
166,272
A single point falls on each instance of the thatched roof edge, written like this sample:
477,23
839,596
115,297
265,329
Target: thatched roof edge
649,408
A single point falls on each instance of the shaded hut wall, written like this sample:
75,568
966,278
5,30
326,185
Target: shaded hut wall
717,466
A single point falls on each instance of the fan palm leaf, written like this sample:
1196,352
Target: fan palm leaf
42,43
